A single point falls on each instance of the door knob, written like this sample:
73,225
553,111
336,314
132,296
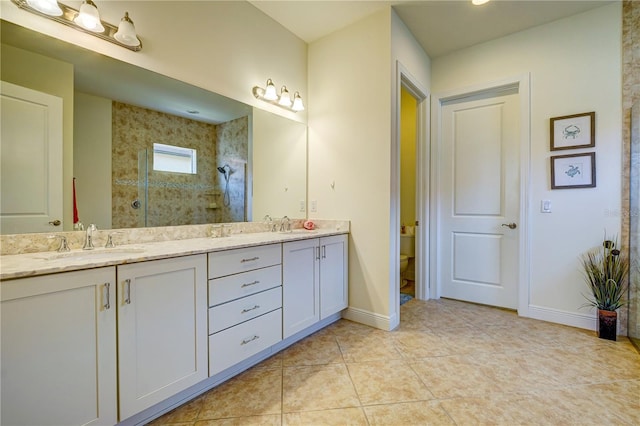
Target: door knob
510,225
55,222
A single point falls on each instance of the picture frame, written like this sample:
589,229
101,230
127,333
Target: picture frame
573,171
573,131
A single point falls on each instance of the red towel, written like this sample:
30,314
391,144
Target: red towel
75,204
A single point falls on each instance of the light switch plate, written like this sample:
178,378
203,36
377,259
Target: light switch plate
545,206
314,206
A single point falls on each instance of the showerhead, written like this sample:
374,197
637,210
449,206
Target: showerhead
222,170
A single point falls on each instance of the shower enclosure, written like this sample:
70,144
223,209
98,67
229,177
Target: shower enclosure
634,228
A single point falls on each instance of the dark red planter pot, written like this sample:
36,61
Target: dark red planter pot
607,324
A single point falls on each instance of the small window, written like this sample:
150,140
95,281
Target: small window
169,158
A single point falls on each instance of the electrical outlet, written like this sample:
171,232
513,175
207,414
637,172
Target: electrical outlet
314,206
302,206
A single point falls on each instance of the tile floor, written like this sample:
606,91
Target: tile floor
448,363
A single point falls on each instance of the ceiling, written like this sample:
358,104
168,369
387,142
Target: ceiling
440,27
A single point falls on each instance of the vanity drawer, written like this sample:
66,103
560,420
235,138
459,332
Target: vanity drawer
224,289
238,343
229,262
241,310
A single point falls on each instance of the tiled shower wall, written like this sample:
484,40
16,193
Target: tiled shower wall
232,149
173,198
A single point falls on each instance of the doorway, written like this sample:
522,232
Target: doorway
410,168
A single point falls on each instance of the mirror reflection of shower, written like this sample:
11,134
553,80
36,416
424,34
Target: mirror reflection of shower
226,172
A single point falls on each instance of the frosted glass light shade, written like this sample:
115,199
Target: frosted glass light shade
89,18
48,7
126,33
285,99
270,91
297,102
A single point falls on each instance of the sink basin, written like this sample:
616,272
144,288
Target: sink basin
93,254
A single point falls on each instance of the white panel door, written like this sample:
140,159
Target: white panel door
479,197
162,330
31,160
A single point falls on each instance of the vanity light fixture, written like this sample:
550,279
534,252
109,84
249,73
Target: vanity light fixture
479,2
87,20
284,100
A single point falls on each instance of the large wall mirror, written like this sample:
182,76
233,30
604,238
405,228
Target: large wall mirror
145,149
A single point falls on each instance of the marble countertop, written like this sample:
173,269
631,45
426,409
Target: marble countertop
32,264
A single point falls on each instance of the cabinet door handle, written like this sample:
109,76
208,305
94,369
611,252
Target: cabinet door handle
107,295
250,259
324,252
249,340
127,291
245,310
250,284
317,253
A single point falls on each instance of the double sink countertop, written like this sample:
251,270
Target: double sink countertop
50,262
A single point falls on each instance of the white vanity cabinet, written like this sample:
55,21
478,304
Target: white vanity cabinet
245,300
314,281
162,330
59,349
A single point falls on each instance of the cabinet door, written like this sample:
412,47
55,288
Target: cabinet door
333,275
59,349
162,330
300,285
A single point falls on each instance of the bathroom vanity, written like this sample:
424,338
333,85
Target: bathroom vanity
124,336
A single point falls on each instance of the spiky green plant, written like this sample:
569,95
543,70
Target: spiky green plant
606,272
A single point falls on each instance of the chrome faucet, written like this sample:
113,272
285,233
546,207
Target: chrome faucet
88,239
64,246
285,220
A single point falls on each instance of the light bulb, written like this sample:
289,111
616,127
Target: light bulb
297,103
48,7
270,91
285,99
126,33
89,18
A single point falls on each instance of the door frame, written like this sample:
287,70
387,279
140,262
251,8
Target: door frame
405,79
522,84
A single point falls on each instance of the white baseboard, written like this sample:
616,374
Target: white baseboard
558,316
370,318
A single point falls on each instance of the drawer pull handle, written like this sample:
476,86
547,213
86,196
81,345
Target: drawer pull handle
107,296
250,284
250,260
245,341
245,310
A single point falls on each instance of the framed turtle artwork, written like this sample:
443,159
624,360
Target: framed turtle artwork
573,131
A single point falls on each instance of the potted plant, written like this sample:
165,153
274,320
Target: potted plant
606,270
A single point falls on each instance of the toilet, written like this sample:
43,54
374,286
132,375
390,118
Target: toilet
407,251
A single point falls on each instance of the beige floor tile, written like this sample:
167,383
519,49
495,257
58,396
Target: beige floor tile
357,348
273,362
270,420
255,392
415,344
453,376
468,340
313,350
340,416
490,410
384,382
317,388
408,413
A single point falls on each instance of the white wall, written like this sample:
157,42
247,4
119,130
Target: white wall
225,47
92,158
349,131
353,106
575,66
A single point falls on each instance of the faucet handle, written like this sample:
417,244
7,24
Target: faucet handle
64,246
110,243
